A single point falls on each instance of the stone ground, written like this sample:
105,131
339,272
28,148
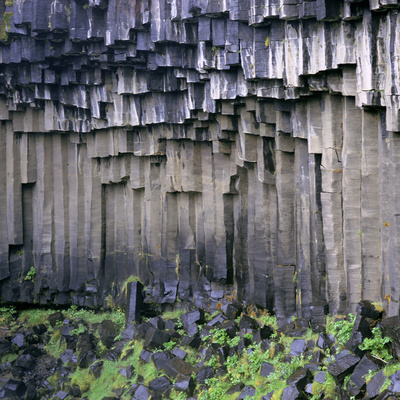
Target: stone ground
189,354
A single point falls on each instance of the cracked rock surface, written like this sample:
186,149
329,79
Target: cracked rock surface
244,148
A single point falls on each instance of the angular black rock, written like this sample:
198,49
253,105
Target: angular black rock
161,384
25,361
358,377
391,328
134,301
343,365
141,393
156,338
375,384
247,322
184,383
365,308
107,333
266,369
298,347
292,393
12,389
300,378
204,373
235,388
176,366
192,317
97,368
248,391
231,311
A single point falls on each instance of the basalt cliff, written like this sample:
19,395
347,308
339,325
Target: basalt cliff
216,149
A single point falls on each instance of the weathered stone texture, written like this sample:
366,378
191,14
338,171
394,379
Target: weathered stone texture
209,147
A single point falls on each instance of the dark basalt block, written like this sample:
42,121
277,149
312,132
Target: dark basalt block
107,333
97,368
156,338
161,384
391,328
184,383
247,322
134,302
300,378
365,308
12,389
141,393
204,373
344,364
325,341
25,361
248,391
266,369
292,393
298,347
192,317
358,377
375,384
176,366
235,388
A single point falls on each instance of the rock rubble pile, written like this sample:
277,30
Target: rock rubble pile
233,354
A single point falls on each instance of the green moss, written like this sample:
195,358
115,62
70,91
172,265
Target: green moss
132,278
10,357
54,347
5,24
82,379
108,381
35,316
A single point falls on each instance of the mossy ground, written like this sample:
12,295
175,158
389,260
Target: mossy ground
241,367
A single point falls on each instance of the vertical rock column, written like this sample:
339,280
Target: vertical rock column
351,160
284,272
370,206
4,267
331,198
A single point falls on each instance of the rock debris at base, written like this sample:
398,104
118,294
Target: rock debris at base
35,374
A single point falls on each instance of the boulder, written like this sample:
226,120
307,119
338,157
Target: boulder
358,377
96,369
161,384
266,369
11,389
155,338
344,364
107,332
192,317
184,383
204,373
248,391
300,378
375,384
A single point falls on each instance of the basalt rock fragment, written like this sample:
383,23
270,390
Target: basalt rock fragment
184,383
155,338
107,333
344,364
375,384
358,377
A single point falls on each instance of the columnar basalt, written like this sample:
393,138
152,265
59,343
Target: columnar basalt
243,148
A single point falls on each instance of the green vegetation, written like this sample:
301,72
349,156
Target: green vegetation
341,329
242,366
377,345
30,276
7,314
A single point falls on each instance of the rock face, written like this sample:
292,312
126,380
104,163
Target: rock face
212,148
